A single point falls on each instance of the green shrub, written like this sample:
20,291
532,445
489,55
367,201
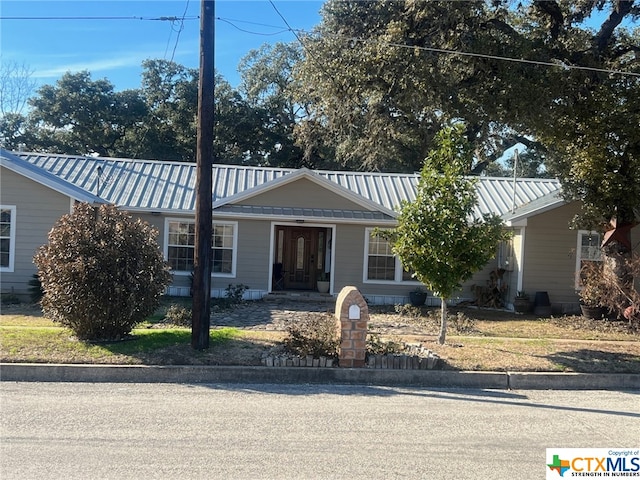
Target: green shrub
461,323
35,288
408,310
101,272
179,315
377,346
9,299
235,292
232,296
314,335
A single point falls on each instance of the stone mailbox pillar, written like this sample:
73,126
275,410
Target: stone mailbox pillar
352,314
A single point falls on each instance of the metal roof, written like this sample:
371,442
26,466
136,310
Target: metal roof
308,213
18,165
170,186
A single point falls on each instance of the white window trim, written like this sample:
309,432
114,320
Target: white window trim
234,260
398,267
582,233
12,239
234,250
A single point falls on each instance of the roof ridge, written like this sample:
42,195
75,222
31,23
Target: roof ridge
271,168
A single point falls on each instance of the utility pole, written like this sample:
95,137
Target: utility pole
204,207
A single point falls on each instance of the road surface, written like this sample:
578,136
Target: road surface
171,431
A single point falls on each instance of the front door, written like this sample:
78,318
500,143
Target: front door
298,249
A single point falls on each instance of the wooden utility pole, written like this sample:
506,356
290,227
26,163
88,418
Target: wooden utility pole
204,157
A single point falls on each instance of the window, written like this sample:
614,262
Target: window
181,235
380,263
223,242
7,238
588,250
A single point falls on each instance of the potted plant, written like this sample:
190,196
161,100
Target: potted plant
418,296
521,303
323,283
592,291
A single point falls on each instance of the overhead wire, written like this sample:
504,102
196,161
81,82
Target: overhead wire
161,19
175,46
295,32
558,64
320,65
250,31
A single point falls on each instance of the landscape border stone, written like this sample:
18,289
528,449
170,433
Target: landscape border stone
36,372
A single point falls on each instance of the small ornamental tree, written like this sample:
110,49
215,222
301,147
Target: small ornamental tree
101,272
438,236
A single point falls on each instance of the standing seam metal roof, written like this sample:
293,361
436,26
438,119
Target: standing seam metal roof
160,185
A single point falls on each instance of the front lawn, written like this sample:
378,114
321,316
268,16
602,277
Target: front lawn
479,340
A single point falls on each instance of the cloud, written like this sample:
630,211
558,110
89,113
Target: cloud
92,65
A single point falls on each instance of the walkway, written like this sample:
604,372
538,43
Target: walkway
269,315
276,314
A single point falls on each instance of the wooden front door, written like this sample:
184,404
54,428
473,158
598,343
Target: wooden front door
297,250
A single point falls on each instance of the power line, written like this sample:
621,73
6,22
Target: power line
558,63
289,28
186,7
283,30
161,19
295,32
318,64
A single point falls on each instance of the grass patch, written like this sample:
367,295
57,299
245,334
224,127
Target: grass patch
495,341
539,355
58,345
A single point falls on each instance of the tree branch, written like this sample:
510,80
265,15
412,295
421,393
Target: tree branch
619,11
552,10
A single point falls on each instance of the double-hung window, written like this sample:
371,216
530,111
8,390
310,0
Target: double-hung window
7,238
588,250
223,247
380,263
181,236
181,245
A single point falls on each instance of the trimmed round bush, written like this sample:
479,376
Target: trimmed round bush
101,272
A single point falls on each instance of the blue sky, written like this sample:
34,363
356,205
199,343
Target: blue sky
114,49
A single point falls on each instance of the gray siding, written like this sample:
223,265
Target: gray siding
252,263
349,246
252,268
348,249
302,193
37,210
550,254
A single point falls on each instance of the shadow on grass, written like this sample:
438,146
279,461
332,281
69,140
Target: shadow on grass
172,346
596,361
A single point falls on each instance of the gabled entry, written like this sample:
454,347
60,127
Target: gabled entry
302,255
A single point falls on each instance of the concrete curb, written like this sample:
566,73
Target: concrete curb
573,381
37,372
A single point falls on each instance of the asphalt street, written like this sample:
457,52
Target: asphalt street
267,431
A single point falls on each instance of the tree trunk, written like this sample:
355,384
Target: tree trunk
443,321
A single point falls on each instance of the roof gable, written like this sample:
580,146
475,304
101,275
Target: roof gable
296,176
45,178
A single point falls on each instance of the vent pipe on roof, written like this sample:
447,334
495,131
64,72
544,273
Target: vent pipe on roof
515,178
99,170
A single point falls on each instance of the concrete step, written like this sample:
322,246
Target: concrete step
298,296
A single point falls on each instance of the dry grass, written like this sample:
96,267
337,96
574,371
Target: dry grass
477,340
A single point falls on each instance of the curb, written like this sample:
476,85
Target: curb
37,372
